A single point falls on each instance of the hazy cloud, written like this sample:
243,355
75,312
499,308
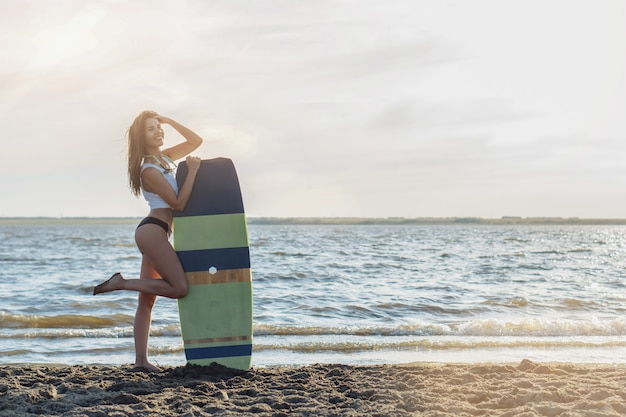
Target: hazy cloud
410,108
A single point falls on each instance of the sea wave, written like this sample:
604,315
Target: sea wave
61,321
437,343
118,325
169,330
493,327
165,340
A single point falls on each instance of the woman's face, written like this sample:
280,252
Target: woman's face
154,133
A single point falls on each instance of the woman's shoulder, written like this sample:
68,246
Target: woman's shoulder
150,165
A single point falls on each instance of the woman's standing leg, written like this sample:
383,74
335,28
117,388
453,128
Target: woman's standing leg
143,318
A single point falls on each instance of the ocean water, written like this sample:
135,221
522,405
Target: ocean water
354,294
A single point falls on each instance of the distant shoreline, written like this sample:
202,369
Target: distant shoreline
506,220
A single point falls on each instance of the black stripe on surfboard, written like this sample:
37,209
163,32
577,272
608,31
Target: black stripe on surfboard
203,260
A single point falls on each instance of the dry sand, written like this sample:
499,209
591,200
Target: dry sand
524,389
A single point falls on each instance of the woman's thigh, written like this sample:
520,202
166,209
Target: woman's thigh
160,259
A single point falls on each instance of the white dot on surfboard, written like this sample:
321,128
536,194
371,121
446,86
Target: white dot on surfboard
212,270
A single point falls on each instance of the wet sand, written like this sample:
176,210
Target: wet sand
523,389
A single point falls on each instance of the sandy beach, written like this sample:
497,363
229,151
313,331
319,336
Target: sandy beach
522,389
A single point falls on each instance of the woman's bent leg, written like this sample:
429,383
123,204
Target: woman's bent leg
152,242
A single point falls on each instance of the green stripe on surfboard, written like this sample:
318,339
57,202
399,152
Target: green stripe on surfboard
226,320
215,231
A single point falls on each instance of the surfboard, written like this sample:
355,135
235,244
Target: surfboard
211,241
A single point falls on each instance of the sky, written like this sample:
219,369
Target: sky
342,108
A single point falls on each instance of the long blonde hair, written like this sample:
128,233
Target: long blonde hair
136,149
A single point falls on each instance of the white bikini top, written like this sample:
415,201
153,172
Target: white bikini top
153,199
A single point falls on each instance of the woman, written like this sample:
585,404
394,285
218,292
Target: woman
151,172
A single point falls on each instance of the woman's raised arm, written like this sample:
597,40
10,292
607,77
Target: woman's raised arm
192,139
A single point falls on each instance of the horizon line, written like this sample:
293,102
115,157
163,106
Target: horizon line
356,220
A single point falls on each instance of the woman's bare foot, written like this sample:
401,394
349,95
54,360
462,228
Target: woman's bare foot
146,367
111,284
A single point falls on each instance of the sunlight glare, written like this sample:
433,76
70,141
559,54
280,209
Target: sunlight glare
58,44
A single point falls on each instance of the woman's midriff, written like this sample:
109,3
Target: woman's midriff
164,214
